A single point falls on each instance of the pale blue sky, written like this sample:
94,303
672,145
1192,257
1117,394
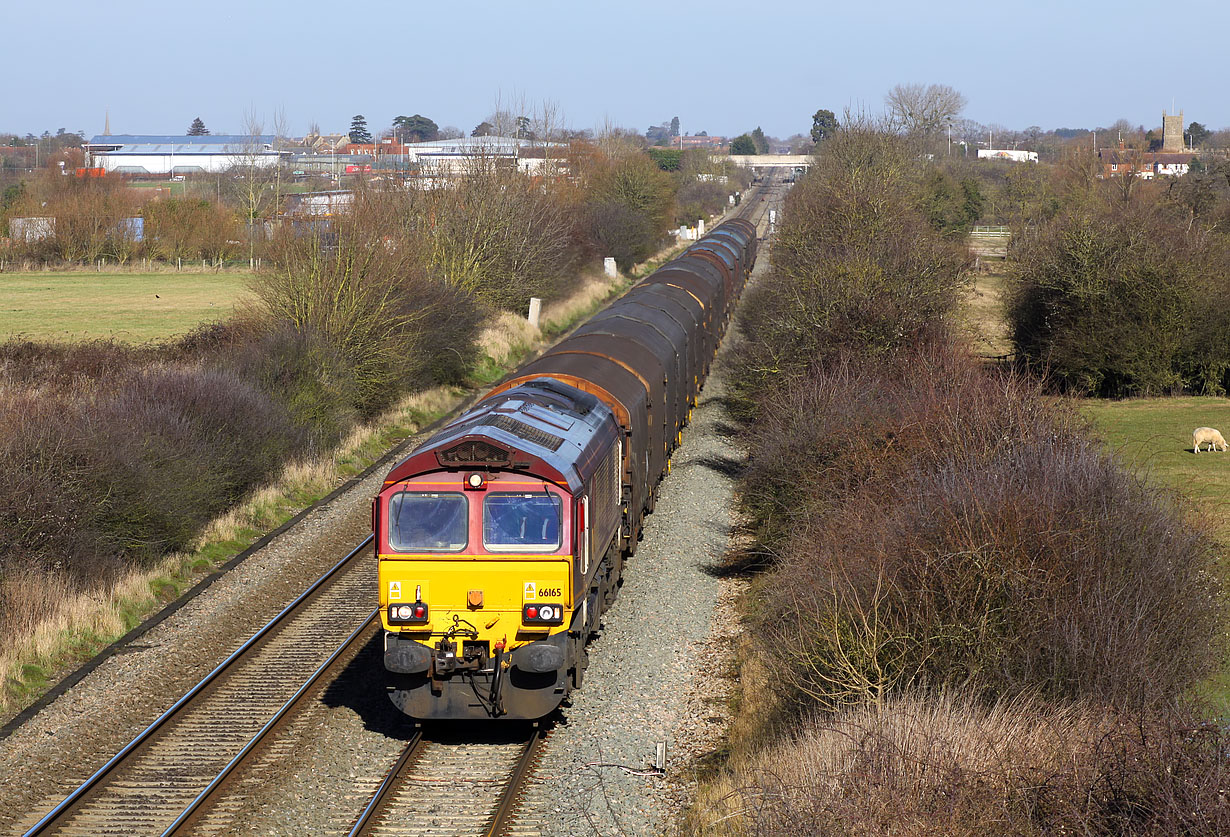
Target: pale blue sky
721,66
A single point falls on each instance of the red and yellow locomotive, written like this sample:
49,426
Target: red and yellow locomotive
501,539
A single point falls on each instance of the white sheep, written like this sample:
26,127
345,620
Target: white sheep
1207,436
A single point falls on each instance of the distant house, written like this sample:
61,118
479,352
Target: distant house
319,204
332,165
1171,165
691,141
457,156
1143,164
140,154
324,143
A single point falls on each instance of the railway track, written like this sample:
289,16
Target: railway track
182,762
447,787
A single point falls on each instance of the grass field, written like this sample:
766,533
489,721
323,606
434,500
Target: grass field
128,307
984,311
1155,434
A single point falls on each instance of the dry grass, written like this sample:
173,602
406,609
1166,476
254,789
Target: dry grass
590,291
923,766
506,337
984,311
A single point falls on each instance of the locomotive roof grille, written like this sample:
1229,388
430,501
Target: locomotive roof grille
473,452
527,432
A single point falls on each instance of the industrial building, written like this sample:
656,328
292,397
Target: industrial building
178,155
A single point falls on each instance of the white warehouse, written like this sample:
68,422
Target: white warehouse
172,155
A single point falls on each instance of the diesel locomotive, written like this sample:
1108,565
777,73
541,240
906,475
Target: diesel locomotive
500,540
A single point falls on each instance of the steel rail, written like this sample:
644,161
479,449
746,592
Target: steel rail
95,780
412,750
512,792
204,796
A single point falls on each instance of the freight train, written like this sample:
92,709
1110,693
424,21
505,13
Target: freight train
501,539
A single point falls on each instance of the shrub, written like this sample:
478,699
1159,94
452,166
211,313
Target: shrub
89,217
933,526
371,305
190,229
630,205
498,236
698,199
1111,300
855,267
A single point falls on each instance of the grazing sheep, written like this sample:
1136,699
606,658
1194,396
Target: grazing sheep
1207,436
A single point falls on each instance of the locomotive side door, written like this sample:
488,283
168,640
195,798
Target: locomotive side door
585,536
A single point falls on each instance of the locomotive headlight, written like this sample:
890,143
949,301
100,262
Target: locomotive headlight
413,614
542,614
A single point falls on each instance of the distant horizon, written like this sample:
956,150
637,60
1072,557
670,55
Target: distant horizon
724,71
376,133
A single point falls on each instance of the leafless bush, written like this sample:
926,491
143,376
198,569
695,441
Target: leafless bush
89,218
630,204
1112,299
187,228
366,295
496,235
856,266
933,524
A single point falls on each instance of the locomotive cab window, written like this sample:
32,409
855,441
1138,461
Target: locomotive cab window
421,522
522,522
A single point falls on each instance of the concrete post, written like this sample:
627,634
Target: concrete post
535,310
608,267
700,228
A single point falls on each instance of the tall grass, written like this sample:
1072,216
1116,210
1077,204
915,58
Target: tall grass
925,766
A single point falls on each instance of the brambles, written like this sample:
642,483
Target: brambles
1115,300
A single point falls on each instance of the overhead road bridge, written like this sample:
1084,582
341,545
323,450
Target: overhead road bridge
768,161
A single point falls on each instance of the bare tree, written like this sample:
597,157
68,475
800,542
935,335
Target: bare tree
923,112
250,180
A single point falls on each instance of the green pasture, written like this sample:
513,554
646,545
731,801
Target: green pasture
1155,434
127,307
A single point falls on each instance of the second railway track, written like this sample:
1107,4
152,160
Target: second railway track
159,781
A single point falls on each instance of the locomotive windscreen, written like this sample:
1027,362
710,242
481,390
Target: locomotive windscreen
521,521
427,522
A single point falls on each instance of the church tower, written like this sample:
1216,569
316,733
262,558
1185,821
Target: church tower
1172,132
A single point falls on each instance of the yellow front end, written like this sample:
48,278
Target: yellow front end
482,592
